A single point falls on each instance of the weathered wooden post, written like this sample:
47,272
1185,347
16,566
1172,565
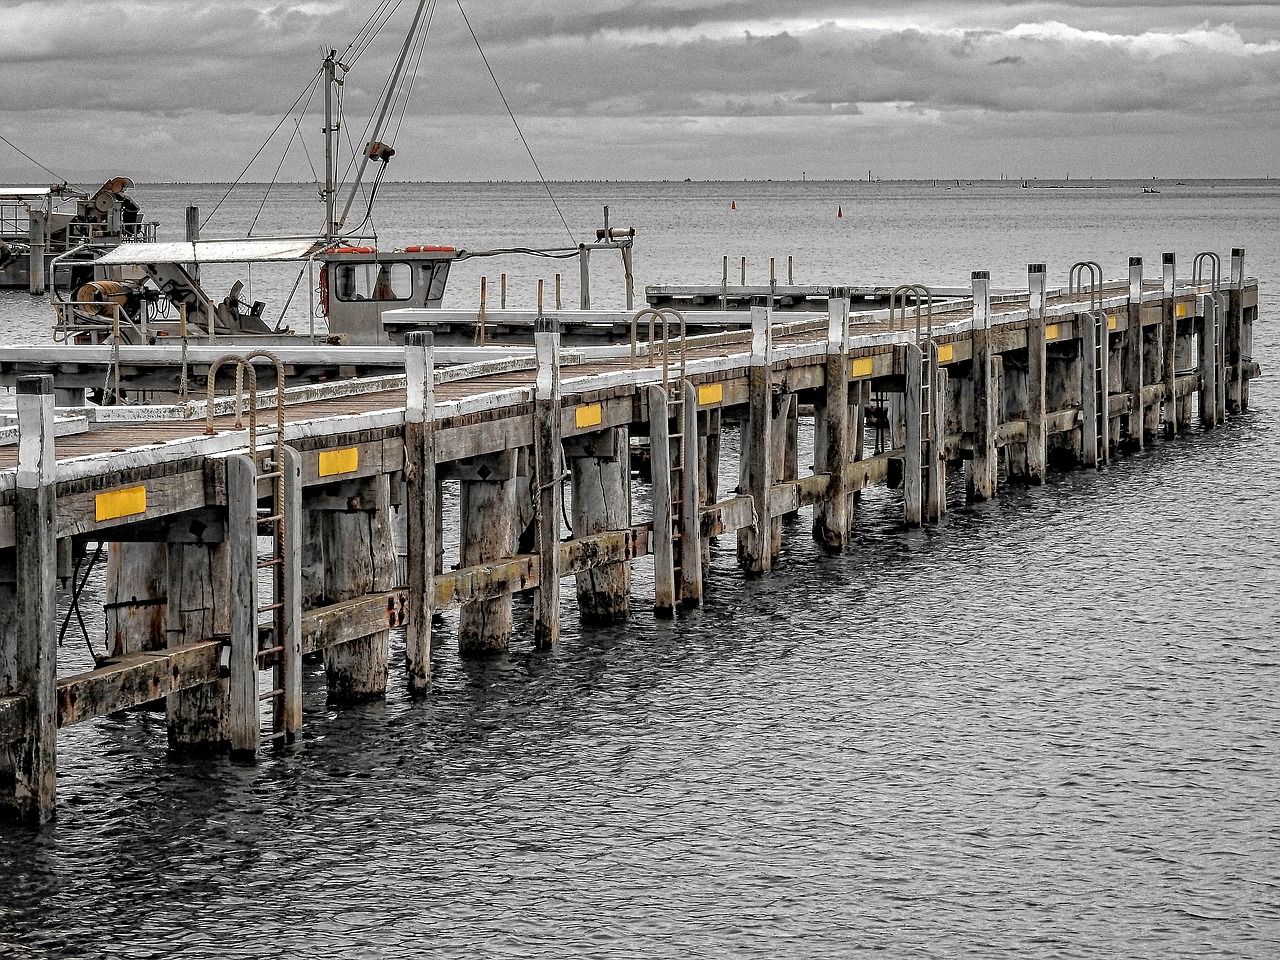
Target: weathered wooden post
289,670
1133,357
1234,337
912,460
1088,330
831,434
755,543
243,720
1037,449
663,547
421,504
1169,343
548,497
489,531
28,637
709,420
981,479
935,494
135,588
38,234
198,584
600,500
1208,360
691,505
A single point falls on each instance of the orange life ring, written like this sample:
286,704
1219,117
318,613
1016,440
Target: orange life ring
428,248
352,250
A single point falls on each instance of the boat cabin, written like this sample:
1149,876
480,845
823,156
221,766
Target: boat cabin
147,292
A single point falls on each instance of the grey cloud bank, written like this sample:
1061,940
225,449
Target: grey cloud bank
166,90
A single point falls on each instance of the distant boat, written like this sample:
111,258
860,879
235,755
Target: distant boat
1150,190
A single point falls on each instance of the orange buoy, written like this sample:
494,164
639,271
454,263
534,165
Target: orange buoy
839,213
733,204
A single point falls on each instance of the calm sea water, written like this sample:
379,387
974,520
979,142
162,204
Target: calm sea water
1047,727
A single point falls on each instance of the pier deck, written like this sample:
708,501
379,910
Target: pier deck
226,565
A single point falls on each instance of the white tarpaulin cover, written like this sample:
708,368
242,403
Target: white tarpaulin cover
212,251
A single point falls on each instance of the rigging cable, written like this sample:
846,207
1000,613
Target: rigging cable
288,113
65,183
512,115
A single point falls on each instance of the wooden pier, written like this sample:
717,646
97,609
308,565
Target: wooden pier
233,554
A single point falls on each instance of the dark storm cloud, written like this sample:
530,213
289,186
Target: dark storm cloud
206,82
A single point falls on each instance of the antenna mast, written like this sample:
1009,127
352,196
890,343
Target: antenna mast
330,128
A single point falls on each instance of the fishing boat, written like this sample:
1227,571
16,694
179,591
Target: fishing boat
153,292
41,224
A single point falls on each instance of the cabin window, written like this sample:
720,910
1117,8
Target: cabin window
386,280
434,277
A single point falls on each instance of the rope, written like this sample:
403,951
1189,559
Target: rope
34,160
516,123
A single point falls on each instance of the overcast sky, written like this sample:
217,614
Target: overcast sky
657,89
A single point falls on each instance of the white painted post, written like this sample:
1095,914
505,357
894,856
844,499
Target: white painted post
420,502
550,494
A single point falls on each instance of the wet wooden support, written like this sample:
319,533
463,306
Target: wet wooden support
198,574
1134,352
1088,327
243,720
935,469
1236,338
661,465
136,590
353,520
548,498
755,543
600,501
981,475
913,459
488,514
1169,342
691,586
28,634
422,523
288,670
832,443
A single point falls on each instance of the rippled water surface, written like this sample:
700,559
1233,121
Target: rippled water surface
1047,727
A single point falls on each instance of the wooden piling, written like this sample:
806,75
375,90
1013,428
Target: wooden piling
691,504
488,514
1133,357
755,551
1088,388
663,547
1036,448
421,505
600,500
1169,343
981,479
198,572
1234,336
935,485
548,493
28,648
288,672
243,723
913,460
831,433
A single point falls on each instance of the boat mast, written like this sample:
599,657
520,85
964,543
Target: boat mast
392,87
330,81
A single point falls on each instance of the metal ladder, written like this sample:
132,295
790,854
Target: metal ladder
928,353
269,466
1101,343
675,416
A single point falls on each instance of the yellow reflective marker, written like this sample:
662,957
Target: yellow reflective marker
1111,322
1051,332
588,416
945,353
1180,310
709,393
120,503
333,462
861,367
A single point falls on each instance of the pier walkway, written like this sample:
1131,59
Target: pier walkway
237,542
